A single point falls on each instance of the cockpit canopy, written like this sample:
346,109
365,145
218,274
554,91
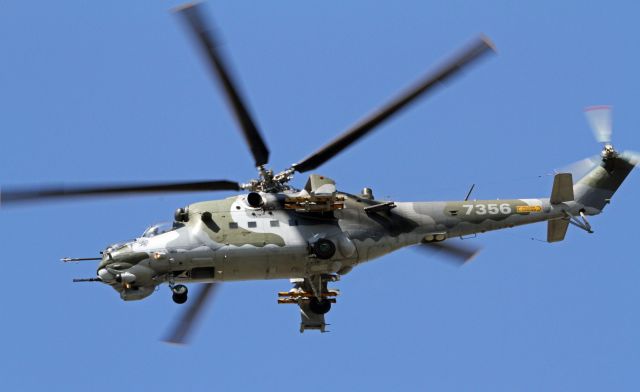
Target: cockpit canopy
157,229
117,246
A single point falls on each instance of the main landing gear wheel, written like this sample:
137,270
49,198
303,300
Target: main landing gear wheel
179,293
319,306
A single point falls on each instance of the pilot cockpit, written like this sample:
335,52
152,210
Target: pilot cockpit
157,229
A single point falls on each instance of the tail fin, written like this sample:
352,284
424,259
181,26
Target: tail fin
596,188
561,192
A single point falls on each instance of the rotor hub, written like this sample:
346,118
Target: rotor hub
608,152
269,182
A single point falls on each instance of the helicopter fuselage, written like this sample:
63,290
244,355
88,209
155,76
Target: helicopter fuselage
228,240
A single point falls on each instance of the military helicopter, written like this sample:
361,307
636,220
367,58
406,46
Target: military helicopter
315,235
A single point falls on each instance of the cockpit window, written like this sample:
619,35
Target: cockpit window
117,246
157,229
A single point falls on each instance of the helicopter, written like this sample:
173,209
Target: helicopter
316,235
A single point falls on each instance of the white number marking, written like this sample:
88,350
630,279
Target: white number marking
491,209
469,208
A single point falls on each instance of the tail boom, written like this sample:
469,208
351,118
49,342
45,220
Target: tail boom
595,190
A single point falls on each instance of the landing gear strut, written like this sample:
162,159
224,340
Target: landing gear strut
179,293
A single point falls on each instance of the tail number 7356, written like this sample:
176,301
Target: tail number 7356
484,209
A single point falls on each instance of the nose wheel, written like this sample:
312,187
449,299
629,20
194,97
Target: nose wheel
179,295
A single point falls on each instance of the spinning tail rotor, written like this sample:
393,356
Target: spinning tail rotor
600,120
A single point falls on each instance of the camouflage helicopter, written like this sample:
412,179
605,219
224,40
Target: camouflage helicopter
315,235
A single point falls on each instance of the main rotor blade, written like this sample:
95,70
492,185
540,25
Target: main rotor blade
472,52
11,196
180,331
203,33
456,252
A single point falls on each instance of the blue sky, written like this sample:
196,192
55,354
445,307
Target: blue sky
115,91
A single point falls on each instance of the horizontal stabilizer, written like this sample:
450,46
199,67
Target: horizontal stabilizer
557,229
562,188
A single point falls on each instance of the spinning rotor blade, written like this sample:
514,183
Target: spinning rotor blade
62,192
454,251
580,168
203,33
475,50
631,156
599,118
180,331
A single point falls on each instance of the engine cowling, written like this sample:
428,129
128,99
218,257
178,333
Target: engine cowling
255,200
181,215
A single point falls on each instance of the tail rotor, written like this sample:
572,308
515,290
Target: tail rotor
600,120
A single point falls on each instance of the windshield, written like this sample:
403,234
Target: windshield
117,246
157,229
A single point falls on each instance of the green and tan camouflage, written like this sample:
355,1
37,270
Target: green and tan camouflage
229,240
